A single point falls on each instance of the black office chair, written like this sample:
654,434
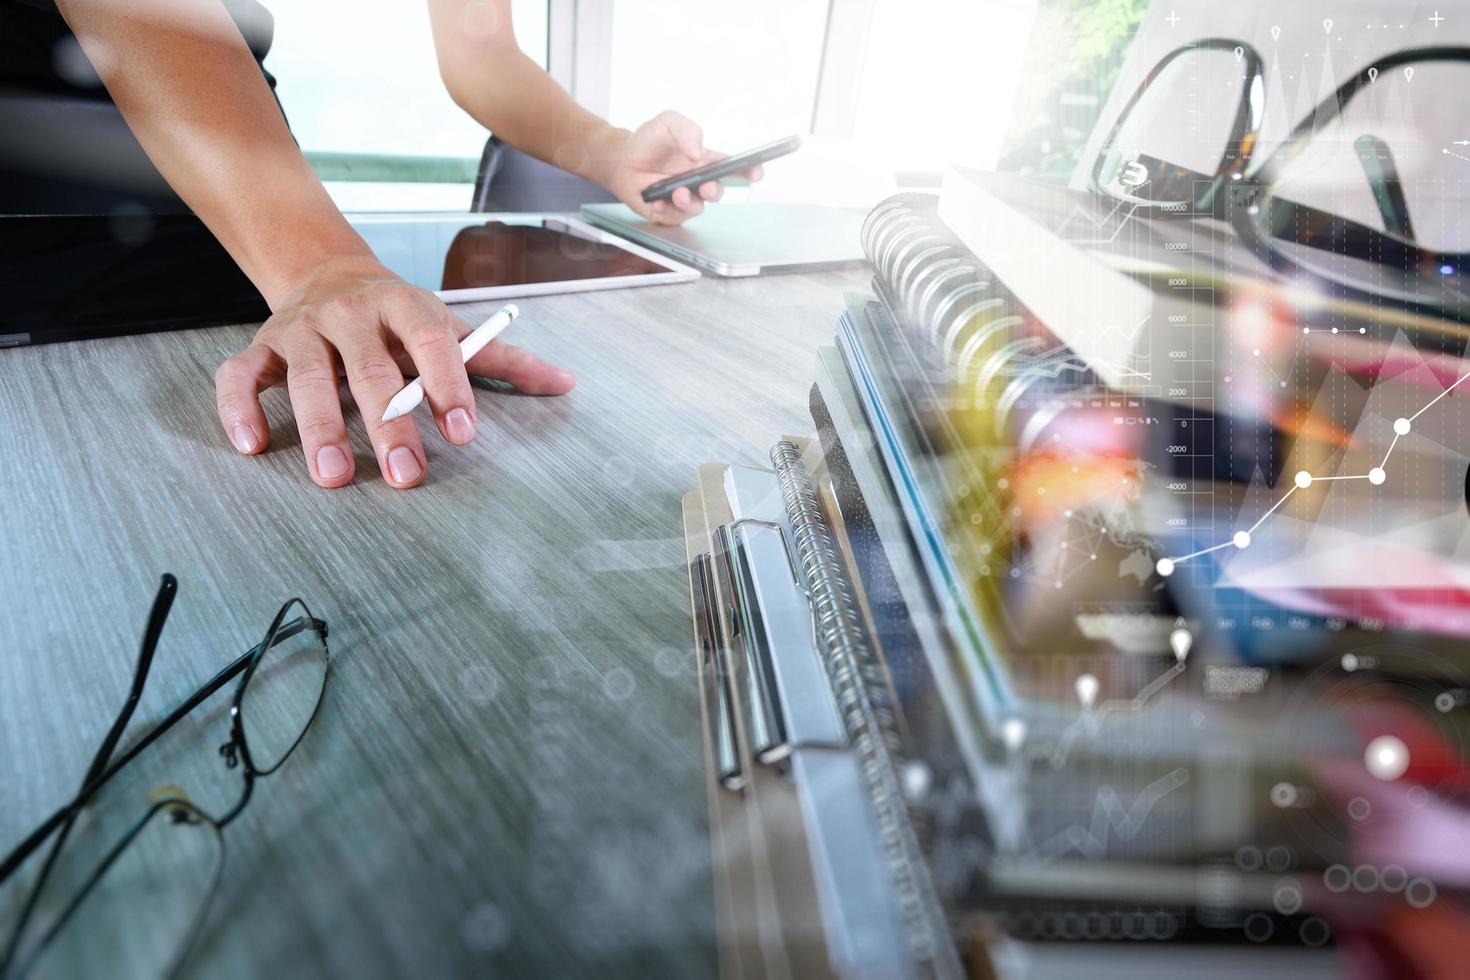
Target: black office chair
509,180
64,147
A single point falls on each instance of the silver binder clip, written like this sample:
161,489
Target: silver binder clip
789,699
718,700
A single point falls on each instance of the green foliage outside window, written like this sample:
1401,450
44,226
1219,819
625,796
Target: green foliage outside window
1076,51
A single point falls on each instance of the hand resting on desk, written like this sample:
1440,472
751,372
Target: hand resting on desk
352,316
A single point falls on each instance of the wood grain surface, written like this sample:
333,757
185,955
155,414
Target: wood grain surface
506,777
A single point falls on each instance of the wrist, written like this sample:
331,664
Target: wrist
605,154
326,272
297,269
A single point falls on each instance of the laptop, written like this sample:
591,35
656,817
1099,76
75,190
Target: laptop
746,239
77,277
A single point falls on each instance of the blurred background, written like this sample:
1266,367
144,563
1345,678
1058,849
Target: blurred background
886,92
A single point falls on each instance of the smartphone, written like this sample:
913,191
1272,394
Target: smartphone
664,189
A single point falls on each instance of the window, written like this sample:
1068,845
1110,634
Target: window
939,79
746,72
360,84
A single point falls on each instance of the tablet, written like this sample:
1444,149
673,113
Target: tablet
470,257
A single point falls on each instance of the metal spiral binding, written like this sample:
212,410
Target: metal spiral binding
864,701
948,296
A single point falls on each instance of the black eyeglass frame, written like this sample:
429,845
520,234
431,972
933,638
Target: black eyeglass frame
1248,202
1244,131
234,751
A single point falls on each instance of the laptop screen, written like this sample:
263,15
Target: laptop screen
71,277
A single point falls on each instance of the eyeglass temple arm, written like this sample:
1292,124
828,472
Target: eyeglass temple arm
162,602
1305,224
39,835
1388,191
168,588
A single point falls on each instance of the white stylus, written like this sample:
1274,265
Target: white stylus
408,399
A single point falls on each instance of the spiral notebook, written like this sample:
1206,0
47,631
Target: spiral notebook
934,390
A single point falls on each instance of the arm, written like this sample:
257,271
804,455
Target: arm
489,77
193,95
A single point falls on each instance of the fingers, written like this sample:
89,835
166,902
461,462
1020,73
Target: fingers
685,133
710,190
376,332
665,213
237,386
374,378
311,381
682,206
662,213
431,338
529,374
755,173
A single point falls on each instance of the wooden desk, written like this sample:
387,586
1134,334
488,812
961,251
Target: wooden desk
506,775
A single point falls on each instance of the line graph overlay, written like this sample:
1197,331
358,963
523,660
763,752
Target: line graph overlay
1112,819
1304,480
1091,721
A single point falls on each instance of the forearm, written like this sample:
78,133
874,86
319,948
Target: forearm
489,77
193,95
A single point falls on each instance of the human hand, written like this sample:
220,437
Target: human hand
355,317
667,145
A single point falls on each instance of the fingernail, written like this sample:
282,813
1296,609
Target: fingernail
245,439
403,465
459,426
566,377
331,463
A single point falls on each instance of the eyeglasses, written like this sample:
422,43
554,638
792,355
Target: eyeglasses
128,881
1379,149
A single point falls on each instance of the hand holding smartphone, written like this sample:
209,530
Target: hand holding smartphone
740,162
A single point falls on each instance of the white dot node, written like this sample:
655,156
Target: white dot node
1401,426
1013,733
1306,329
918,779
1303,479
1283,795
1349,662
1334,330
1362,330
1164,567
1256,352
1087,687
1387,757
1376,476
1242,539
